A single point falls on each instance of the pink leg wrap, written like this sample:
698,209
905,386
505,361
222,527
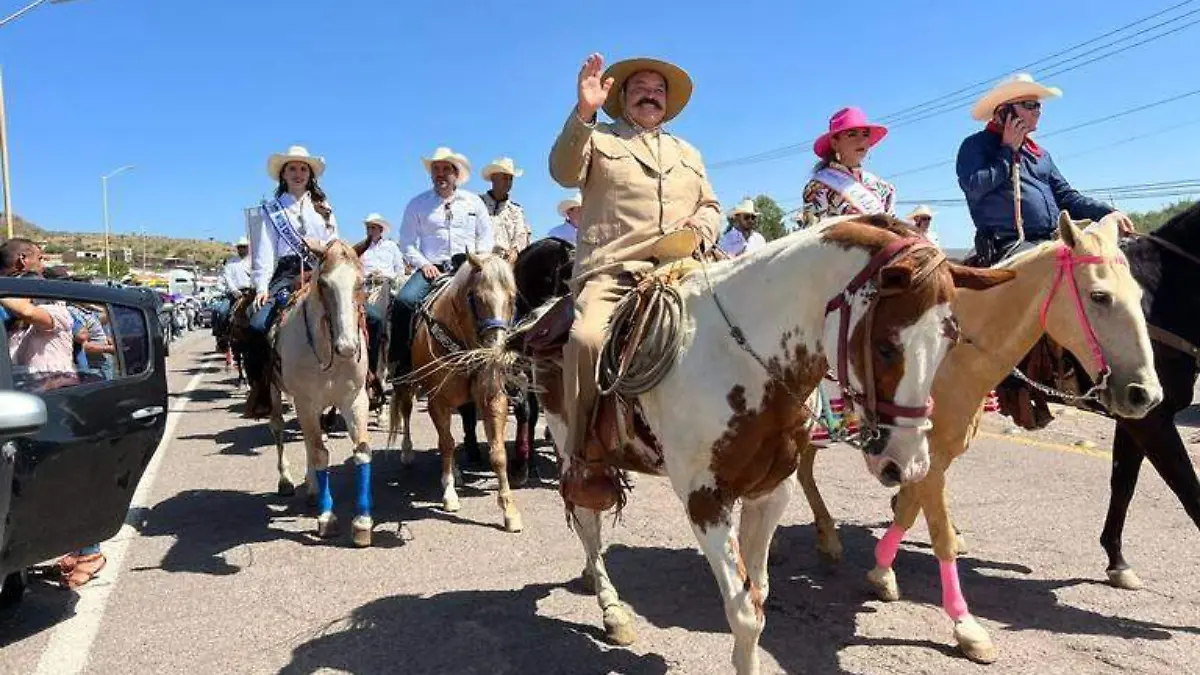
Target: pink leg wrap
952,596
885,550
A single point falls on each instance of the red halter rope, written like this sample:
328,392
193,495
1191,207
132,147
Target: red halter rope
1066,261
868,278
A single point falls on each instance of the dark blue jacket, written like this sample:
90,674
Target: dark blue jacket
984,170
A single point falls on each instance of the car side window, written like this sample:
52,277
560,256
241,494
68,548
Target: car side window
133,339
53,344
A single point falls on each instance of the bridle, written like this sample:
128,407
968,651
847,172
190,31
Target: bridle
444,336
867,283
327,322
1066,261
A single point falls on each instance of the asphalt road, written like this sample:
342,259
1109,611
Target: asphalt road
221,576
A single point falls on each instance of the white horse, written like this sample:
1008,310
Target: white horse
726,423
321,352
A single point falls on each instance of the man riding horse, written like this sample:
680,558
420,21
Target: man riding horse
999,169
638,182
383,267
438,224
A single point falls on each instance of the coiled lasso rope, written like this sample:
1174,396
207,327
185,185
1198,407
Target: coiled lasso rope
636,365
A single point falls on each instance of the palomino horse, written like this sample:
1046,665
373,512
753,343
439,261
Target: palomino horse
727,421
321,361
1077,290
458,356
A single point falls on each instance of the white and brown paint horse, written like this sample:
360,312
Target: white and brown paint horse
321,361
726,423
458,355
1080,292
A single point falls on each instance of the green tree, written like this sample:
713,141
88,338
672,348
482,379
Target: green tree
770,218
1150,221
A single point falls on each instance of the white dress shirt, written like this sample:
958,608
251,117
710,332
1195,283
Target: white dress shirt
236,275
563,230
735,243
383,258
428,237
265,247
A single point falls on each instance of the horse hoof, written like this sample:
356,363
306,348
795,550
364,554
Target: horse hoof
513,523
618,627
974,641
451,505
831,553
883,580
361,531
1125,579
588,581
327,526
285,488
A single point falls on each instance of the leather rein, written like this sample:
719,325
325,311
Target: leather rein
1161,335
327,322
868,283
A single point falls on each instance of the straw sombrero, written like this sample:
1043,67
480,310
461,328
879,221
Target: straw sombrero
1020,85
921,210
296,153
679,85
242,242
444,154
747,207
574,200
502,165
377,219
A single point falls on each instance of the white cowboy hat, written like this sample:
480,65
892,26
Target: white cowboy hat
377,219
296,153
444,154
747,206
572,201
1020,85
242,242
921,210
502,165
679,85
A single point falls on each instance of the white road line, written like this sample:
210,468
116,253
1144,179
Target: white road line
71,642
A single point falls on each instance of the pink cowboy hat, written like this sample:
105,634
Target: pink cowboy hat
842,120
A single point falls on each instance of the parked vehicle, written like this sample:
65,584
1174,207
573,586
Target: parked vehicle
73,446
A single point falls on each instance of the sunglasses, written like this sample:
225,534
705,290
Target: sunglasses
1029,105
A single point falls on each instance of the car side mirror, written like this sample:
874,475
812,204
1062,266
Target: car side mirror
21,414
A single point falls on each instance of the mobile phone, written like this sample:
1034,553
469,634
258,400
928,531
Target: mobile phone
1006,112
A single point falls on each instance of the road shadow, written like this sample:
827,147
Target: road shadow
44,606
461,632
1188,417
674,588
251,439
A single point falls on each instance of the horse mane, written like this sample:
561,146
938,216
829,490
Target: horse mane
337,252
492,268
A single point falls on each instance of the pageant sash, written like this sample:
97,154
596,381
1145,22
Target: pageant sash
855,193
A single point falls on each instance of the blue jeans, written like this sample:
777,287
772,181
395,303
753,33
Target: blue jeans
262,319
414,292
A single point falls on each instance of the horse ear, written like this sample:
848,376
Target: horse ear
1068,230
895,277
979,278
318,248
476,261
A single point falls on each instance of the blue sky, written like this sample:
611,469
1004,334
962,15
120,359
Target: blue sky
198,94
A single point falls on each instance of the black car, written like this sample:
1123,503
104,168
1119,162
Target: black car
73,445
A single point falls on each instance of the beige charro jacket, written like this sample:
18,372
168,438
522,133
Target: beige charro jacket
630,196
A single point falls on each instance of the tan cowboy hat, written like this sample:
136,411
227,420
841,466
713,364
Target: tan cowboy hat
296,153
444,154
679,85
377,219
1020,85
675,245
502,165
242,242
747,207
572,201
921,210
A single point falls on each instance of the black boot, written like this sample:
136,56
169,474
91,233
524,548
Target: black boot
400,346
470,443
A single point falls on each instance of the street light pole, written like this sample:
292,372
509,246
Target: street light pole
104,196
8,216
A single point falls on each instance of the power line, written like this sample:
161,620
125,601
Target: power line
1032,64
935,108
1134,191
1081,125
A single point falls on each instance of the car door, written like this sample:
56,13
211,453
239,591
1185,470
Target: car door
72,480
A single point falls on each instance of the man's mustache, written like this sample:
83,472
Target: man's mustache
651,101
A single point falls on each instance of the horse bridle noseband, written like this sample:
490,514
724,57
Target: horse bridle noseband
327,322
868,283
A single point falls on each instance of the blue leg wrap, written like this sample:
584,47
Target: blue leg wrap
324,496
363,474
